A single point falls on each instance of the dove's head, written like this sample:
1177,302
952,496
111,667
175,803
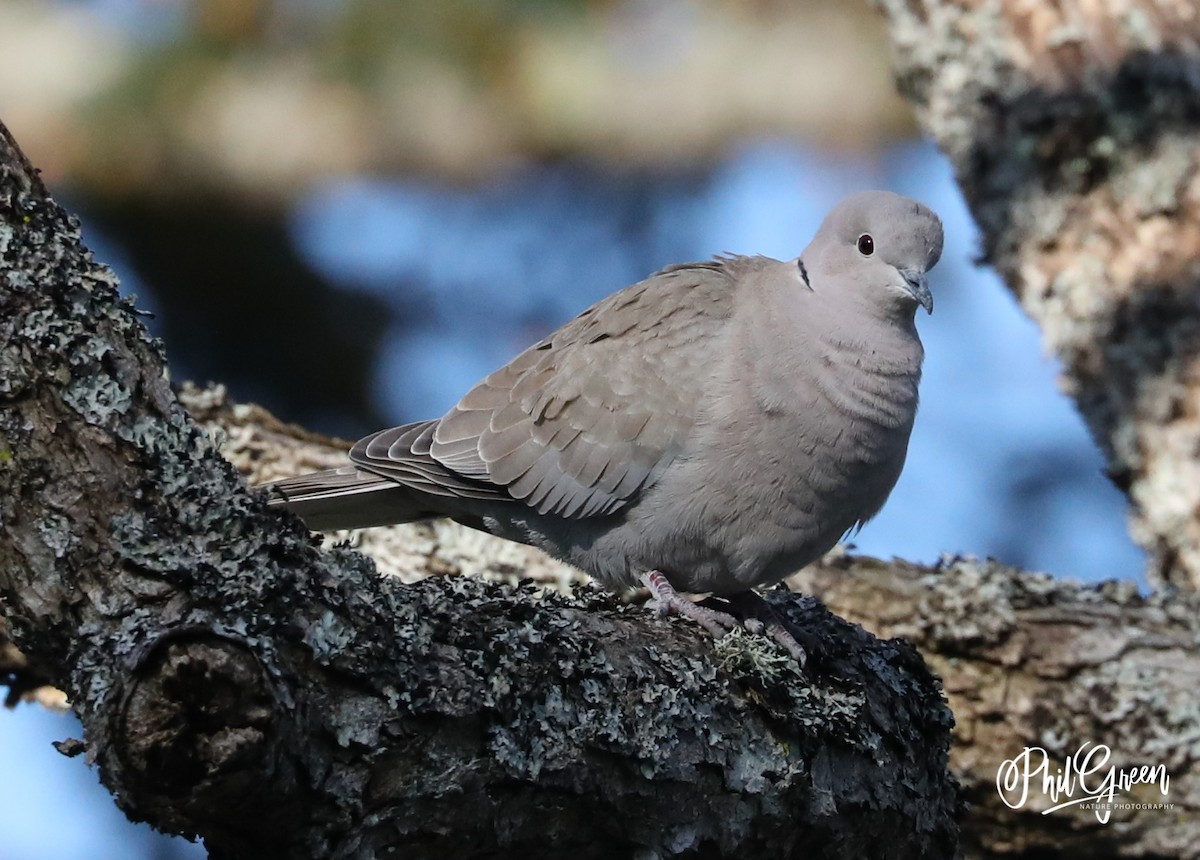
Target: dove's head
876,247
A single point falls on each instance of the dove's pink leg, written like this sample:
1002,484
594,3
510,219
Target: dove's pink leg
666,600
753,613
758,617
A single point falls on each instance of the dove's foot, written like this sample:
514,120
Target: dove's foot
749,610
757,616
666,601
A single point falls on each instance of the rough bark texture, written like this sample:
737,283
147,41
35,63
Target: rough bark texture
236,683
1029,660
1074,129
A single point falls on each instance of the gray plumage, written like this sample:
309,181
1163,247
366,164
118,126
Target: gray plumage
724,423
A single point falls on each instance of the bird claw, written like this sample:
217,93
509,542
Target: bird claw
666,601
758,617
755,614
788,642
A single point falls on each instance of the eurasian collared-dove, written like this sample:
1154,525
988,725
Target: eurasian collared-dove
712,428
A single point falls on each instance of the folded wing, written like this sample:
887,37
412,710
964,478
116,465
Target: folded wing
582,421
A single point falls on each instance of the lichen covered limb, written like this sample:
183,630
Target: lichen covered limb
1033,661
1028,660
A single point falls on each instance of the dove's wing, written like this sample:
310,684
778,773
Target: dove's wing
577,424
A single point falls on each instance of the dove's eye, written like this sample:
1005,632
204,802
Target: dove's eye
866,245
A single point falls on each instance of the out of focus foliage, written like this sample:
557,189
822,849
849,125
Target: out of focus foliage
148,97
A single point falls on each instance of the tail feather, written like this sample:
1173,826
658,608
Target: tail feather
347,498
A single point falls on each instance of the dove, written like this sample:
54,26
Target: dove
709,430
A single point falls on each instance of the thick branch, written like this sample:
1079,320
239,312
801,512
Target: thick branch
1027,660
1074,129
1030,660
236,683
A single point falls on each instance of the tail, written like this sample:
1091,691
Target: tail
347,498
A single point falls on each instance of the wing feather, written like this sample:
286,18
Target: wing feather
581,422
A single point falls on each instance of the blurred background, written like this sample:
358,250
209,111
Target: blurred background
351,210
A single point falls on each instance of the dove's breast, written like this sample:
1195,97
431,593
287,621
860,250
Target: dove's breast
776,471
862,402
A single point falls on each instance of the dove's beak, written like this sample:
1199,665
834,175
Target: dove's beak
918,288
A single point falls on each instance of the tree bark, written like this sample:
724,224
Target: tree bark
237,684
1028,660
1073,129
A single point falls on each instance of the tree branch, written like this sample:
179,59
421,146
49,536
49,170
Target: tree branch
1073,129
236,683
1027,660
1030,660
